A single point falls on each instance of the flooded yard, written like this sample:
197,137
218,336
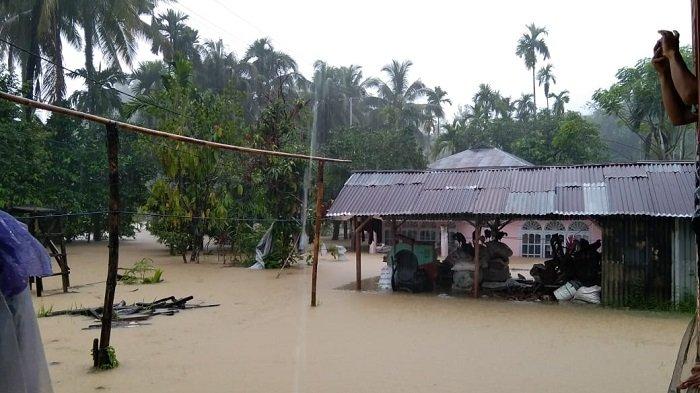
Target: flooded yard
265,338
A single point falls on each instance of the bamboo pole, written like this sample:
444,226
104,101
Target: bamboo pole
317,231
157,133
113,263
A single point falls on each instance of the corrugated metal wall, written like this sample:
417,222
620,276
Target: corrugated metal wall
684,262
637,261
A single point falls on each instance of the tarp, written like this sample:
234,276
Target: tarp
262,249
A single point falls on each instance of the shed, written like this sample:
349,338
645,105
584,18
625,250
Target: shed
643,209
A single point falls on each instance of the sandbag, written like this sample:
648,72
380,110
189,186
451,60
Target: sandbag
588,294
463,280
498,249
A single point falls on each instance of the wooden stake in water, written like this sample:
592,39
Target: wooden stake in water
317,231
113,262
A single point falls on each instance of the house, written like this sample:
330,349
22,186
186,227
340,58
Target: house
641,211
479,158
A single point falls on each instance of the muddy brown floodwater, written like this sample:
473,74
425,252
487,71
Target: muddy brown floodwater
265,338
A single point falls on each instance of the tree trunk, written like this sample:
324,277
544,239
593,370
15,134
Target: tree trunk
534,89
33,64
10,60
345,230
59,88
88,30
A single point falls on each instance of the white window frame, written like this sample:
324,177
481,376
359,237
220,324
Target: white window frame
531,239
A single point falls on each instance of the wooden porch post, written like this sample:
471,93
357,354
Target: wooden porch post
477,263
101,357
358,252
317,231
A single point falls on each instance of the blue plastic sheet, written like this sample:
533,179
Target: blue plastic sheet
21,256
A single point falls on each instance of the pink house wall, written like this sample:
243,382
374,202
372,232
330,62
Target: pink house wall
515,231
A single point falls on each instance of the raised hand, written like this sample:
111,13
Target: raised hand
669,43
659,61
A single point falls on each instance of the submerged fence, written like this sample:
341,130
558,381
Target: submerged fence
647,262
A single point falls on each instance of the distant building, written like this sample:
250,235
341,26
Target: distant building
479,158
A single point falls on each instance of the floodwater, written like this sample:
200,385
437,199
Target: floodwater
265,338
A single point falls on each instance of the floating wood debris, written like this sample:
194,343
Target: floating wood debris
131,315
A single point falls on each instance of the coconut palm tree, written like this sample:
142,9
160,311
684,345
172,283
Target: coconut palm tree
436,98
559,101
113,27
148,77
218,67
530,45
353,87
546,77
396,97
100,98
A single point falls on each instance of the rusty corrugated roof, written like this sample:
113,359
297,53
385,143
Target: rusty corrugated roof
651,189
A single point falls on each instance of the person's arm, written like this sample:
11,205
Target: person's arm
678,111
685,82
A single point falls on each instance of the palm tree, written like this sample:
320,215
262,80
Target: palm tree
62,26
505,107
148,77
270,74
218,66
486,102
546,77
559,101
530,44
396,97
525,107
354,90
328,98
100,98
174,38
113,27
26,24
451,140
436,97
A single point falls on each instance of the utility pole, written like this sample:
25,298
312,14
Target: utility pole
351,111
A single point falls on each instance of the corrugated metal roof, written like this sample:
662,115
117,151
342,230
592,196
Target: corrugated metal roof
530,203
651,189
479,158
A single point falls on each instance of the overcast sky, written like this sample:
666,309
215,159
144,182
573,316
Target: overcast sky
455,45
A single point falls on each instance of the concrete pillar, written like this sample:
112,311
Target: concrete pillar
444,242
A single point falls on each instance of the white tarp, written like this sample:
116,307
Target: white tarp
262,249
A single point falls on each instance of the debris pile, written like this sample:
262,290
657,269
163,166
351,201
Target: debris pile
576,271
130,315
580,262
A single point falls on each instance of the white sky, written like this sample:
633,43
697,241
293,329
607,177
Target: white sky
453,44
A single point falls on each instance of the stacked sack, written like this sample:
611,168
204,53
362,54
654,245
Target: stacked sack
496,256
